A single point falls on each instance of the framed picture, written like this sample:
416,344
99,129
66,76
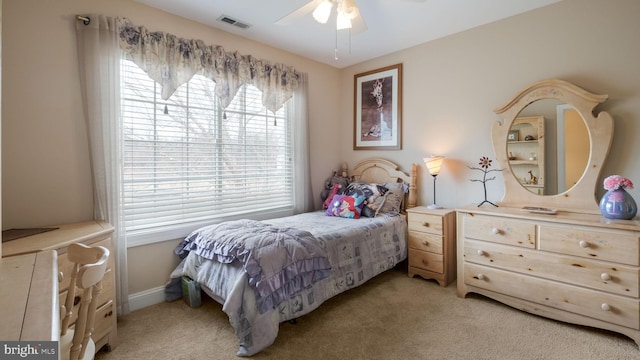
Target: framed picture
513,135
377,123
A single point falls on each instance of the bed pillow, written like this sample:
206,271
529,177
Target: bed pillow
394,198
372,209
346,206
375,195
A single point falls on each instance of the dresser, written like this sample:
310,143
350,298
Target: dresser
92,233
578,268
432,244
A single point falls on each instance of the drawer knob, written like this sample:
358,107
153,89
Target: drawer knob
480,277
495,231
425,243
60,276
425,262
583,244
605,307
480,252
605,276
425,224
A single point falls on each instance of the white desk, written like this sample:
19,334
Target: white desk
29,309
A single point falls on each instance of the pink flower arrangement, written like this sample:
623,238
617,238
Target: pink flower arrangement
615,182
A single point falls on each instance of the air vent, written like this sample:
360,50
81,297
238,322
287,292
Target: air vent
234,22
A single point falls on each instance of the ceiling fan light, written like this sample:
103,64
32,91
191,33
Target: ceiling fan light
348,8
343,21
322,12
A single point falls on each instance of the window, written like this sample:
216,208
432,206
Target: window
187,162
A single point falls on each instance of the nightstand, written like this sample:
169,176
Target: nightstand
432,244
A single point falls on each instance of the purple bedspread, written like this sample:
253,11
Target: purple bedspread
279,261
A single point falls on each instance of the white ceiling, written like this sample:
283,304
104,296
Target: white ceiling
392,25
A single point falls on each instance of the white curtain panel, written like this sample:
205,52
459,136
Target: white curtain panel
99,66
303,194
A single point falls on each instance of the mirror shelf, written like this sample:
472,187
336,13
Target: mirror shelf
526,150
581,197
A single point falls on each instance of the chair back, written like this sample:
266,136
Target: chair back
89,266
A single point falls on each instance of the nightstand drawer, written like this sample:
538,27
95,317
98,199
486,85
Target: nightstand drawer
427,223
500,230
426,261
423,241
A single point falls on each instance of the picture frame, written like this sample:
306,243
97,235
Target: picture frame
513,135
377,123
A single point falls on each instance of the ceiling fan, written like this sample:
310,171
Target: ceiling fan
347,14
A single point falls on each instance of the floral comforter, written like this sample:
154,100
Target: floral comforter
357,251
280,261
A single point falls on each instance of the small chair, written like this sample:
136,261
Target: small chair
89,266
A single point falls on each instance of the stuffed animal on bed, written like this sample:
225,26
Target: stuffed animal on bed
337,189
335,184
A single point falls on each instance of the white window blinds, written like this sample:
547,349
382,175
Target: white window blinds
187,162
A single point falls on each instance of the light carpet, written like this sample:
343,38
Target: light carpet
390,317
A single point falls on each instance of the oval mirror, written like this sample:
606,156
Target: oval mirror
549,147
528,139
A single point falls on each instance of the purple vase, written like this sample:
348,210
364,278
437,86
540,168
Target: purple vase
618,204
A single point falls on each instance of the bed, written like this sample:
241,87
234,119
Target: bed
340,253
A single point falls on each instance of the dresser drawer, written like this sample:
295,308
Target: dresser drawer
500,230
620,247
427,223
615,309
103,324
426,242
598,275
426,261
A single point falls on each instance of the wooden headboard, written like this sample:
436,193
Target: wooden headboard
380,171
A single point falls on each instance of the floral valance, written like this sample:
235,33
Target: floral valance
172,61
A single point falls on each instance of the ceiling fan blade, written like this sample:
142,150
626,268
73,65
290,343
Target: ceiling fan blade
299,12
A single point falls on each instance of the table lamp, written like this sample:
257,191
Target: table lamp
434,163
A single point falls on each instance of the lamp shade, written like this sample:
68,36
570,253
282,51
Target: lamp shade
322,12
343,21
347,11
434,163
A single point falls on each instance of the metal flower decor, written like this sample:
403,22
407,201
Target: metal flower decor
485,164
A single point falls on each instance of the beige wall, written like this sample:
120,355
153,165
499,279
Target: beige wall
451,87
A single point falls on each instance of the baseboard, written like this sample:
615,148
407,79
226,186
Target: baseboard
146,298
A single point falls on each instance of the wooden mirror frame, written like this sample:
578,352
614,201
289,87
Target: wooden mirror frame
581,198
